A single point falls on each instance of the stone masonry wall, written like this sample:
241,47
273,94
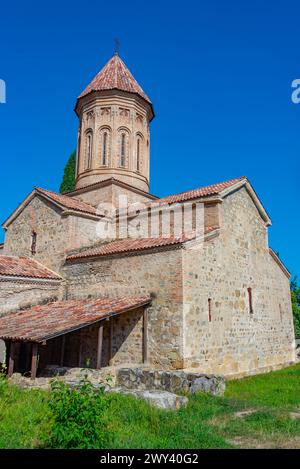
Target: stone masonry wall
157,273
23,294
110,194
127,344
55,234
236,341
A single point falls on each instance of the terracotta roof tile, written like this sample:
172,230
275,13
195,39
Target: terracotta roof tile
134,245
206,191
44,322
21,266
115,75
70,203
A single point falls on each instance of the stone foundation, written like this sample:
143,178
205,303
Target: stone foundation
172,381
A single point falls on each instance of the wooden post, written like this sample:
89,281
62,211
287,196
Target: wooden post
11,361
99,349
62,350
34,360
80,348
110,341
145,335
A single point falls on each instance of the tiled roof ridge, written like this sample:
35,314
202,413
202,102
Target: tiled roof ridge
25,267
43,322
211,189
70,203
125,245
113,180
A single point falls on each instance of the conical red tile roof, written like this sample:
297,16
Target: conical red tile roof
115,75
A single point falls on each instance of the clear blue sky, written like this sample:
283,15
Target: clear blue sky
218,72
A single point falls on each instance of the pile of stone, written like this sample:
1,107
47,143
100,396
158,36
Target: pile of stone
158,387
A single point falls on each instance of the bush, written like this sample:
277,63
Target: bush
79,416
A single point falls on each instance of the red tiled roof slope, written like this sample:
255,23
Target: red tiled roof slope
43,322
115,75
214,189
134,245
68,202
21,266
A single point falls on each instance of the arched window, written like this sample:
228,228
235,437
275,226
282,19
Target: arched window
139,152
104,145
104,149
123,149
138,149
89,150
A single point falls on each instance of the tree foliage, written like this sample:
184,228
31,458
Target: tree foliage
68,181
295,291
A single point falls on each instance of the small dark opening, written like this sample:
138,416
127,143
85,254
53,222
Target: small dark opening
33,242
250,300
209,309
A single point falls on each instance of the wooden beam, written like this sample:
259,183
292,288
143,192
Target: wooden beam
99,348
110,341
145,335
11,360
62,350
34,360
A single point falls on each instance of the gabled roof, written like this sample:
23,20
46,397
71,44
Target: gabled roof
135,245
64,202
68,202
205,191
221,190
44,322
115,75
21,266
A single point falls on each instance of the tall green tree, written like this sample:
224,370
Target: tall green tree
68,181
295,291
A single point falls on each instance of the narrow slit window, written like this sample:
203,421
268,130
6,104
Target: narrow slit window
209,309
33,242
138,154
104,149
123,147
89,151
250,297
281,312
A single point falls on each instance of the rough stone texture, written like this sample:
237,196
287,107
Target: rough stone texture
183,331
56,234
110,193
143,274
19,294
126,344
105,378
172,381
235,341
161,399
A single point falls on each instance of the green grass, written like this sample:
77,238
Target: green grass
24,417
207,421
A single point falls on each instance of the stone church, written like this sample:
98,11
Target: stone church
110,274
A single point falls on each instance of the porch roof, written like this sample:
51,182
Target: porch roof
44,322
